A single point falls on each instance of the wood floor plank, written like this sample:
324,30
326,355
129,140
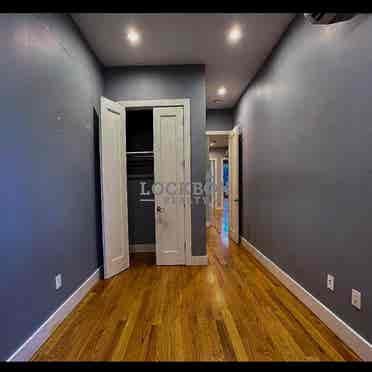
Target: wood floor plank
232,309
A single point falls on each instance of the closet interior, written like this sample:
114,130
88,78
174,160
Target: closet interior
140,169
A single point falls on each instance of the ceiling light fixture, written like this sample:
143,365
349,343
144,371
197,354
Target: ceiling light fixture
221,91
234,35
134,37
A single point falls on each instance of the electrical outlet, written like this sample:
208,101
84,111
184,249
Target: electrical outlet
58,281
330,282
356,299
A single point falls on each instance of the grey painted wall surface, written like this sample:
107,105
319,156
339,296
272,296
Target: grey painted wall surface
220,119
307,170
50,86
161,82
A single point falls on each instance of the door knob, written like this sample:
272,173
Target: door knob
159,209
236,200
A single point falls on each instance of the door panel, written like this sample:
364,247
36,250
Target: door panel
234,185
169,173
114,186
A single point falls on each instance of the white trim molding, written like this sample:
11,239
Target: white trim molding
348,335
33,343
199,260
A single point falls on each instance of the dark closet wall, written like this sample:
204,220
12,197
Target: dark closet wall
307,170
49,98
161,82
220,119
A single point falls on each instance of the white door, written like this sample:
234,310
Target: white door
234,185
114,188
169,176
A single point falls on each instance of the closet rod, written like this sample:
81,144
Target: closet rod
139,152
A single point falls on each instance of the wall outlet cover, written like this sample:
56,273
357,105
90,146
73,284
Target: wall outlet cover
58,281
330,282
356,299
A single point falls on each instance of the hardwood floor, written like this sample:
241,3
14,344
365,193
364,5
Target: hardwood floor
232,309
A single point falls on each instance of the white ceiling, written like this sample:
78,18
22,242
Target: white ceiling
173,39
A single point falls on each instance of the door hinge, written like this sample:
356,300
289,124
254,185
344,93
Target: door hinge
183,163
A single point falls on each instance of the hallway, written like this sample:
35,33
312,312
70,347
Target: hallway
232,309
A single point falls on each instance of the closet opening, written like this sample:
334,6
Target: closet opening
145,147
140,176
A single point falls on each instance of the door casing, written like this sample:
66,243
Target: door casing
234,185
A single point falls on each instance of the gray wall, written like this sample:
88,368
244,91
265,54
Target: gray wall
161,82
307,171
220,119
50,86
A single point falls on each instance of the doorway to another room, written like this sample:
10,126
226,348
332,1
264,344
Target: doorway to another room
223,172
218,155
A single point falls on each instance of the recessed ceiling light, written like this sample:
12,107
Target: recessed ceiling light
221,91
133,36
234,35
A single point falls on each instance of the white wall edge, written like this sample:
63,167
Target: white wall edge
199,261
33,343
348,335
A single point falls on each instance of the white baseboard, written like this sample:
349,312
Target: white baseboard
351,338
25,351
142,248
199,260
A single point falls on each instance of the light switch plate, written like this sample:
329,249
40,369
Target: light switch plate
356,299
330,282
58,281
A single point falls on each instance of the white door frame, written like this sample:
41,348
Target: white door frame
220,133
185,103
234,175
224,133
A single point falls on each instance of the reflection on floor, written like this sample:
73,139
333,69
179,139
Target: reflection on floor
232,309
221,224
